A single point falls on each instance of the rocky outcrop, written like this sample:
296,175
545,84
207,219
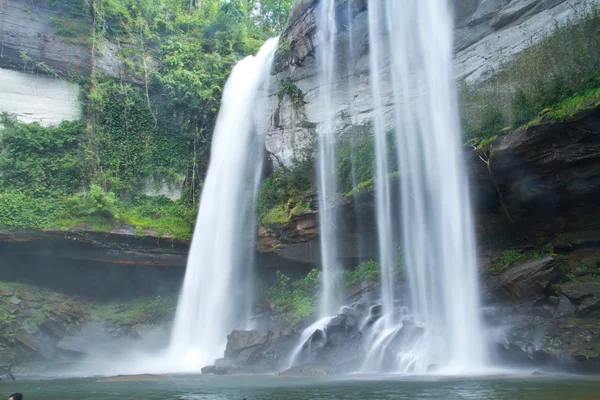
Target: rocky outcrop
547,175
525,281
487,34
5,373
38,98
119,264
254,352
41,327
30,33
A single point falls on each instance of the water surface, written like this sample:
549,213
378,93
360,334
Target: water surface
280,388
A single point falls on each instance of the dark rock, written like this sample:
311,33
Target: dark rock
27,296
5,373
576,290
526,280
36,345
309,370
76,345
15,300
241,340
32,305
565,308
588,305
53,328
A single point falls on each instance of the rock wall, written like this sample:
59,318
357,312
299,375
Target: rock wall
37,52
31,28
38,98
488,33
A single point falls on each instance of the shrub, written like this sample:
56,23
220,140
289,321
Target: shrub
295,301
560,66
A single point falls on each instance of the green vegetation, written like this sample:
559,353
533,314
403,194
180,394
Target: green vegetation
366,272
15,320
296,301
143,309
507,258
554,79
286,191
150,127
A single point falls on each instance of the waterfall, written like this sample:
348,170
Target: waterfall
437,227
327,187
218,287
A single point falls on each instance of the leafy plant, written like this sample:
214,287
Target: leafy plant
506,258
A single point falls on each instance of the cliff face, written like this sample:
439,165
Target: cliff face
33,29
39,48
487,34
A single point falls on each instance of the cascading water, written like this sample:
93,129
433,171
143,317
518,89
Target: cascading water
218,281
437,226
330,301
327,188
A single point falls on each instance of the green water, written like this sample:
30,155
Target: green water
279,388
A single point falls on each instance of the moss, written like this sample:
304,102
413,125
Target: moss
276,216
282,214
572,106
369,185
507,258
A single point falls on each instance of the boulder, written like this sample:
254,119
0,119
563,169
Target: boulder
75,345
33,343
5,373
588,305
577,290
53,328
565,308
309,370
241,340
15,301
5,292
526,280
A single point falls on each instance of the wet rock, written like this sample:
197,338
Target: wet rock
15,301
309,370
577,290
524,281
36,345
53,328
565,308
588,305
240,340
5,373
5,292
254,352
32,305
27,296
75,345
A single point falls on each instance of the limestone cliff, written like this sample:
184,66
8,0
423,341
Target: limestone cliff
487,34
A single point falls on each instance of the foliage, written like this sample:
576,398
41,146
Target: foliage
289,88
152,126
284,192
506,258
355,158
562,66
40,160
366,271
297,300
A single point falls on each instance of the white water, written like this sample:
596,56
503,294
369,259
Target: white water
437,225
297,352
327,188
218,285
